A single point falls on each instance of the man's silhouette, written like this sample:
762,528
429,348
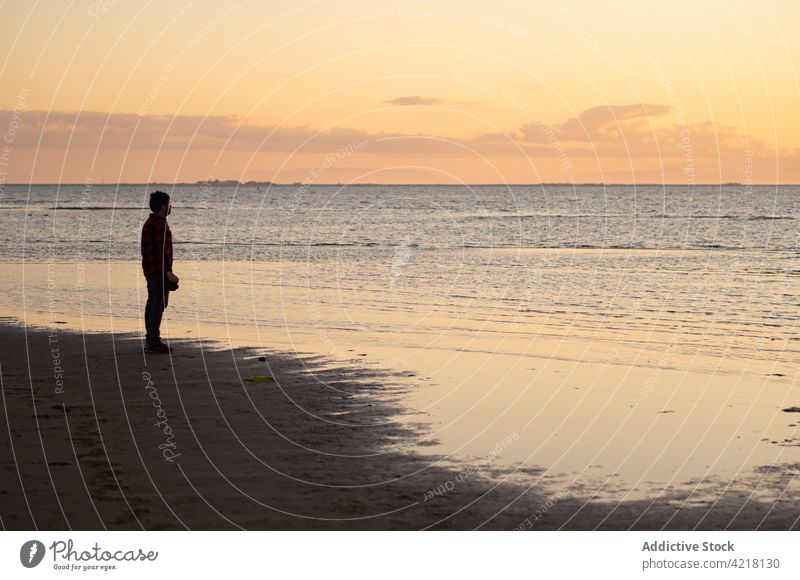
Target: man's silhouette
157,266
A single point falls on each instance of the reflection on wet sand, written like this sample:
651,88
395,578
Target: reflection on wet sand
624,402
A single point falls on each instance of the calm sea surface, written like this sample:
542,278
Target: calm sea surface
101,222
676,252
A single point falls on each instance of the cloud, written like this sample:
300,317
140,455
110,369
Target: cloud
598,124
62,130
647,135
631,139
97,131
610,128
414,101
495,137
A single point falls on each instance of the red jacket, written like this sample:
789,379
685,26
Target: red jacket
156,247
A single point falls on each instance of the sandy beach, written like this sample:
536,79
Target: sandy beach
97,435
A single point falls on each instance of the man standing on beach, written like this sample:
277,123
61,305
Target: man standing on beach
157,266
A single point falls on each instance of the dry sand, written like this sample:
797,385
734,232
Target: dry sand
308,449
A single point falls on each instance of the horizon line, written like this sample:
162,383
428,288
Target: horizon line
233,182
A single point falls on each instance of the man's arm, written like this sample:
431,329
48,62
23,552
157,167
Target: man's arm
167,246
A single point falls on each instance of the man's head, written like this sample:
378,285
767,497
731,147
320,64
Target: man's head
159,203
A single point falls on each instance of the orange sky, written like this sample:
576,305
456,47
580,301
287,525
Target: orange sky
392,92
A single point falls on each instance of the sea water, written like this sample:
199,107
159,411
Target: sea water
613,340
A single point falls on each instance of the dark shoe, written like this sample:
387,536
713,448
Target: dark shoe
159,348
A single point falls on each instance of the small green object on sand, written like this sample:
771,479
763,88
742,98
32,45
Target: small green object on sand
259,379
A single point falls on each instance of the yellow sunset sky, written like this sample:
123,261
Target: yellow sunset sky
400,92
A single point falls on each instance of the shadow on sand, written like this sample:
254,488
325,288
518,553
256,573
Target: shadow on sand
97,435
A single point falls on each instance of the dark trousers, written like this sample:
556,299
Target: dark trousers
157,300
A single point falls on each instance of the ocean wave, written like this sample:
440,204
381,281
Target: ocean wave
296,244
386,246
634,247
636,215
722,217
87,208
544,215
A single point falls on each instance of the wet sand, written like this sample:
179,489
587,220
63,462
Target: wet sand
98,435
618,404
